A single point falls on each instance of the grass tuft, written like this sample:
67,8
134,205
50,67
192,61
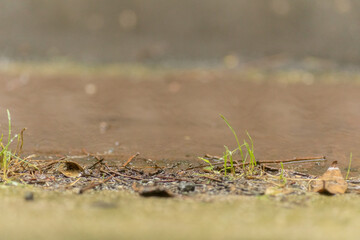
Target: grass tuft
236,137
282,177
211,167
10,159
228,155
5,153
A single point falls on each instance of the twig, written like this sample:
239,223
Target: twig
77,156
120,181
135,170
74,182
212,157
302,174
122,175
171,167
301,179
295,160
49,165
85,151
20,142
99,160
265,167
173,179
93,185
213,164
97,157
130,159
29,157
212,178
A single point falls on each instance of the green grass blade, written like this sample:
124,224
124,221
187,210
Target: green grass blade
282,173
234,133
5,148
252,142
251,163
9,119
232,130
252,156
207,161
348,171
225,157
229,155
24,161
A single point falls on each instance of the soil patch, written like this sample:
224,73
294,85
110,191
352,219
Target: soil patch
151,179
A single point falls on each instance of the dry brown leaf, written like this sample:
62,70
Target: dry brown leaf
70,169
331,182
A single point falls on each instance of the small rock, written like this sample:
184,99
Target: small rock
186,186
154,192
29,196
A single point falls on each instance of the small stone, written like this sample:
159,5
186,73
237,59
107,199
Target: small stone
155,192
29,196
186,186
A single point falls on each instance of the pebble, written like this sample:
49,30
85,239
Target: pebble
29,196
186,186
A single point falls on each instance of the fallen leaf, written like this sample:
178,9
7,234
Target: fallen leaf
70,169
331,182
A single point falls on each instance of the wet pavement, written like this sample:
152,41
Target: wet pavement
175,117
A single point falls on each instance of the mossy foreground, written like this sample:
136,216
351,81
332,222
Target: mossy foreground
123,215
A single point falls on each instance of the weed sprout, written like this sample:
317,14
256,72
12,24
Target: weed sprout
228,155
7,156
348,170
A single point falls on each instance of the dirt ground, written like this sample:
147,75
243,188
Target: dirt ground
171,116
174,115
151,77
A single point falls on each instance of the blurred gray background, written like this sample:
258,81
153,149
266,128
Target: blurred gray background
178,30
